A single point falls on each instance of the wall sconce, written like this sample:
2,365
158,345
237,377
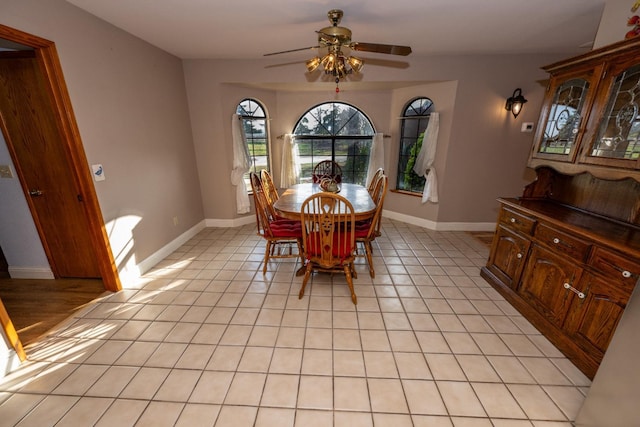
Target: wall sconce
515,102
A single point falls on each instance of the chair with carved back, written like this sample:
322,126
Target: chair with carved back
328,240
367,231
280,234
327,169
270,191
374,180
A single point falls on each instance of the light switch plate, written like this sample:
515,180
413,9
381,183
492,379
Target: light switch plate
5,171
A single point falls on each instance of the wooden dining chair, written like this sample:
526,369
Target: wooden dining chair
374,180
367,231
270,192
327,169
280,234
328,238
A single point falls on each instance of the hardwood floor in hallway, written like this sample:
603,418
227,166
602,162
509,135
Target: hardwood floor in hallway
35,306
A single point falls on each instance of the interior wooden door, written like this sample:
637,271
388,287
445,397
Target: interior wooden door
39,153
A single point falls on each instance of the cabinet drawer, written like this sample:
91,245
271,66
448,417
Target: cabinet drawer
615,266
516,221
562,242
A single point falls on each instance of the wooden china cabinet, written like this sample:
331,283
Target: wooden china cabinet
566,253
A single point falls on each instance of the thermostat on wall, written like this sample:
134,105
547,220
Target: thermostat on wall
527,127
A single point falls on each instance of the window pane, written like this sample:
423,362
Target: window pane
413,127
254,124
335,131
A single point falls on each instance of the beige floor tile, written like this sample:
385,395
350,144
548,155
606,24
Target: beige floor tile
352,419
432,342
195,356
123,412
85,412
286,361
178,385
315,392
145,383
392,420
431,421
387,395
461,343
255,359
319,338
544,371
351,394
291,337
380,364
374,340
317,362
270,417
460,399
510,369
166,355
159,414
477,368
49,410
423,397
491,344
211,387
497,401
194,414
568,399
348,363
346,339
535,402
225,358
280,391
412,366
246,389
313,418
444,367
236,416
403,341
265,336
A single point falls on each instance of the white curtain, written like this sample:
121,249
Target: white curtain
241,165
290,171
376,156
424,161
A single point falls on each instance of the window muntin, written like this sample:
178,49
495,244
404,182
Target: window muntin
254,122
415,119
335,131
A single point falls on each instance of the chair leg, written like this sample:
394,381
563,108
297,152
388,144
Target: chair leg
368,249
347,273
267,251
307,274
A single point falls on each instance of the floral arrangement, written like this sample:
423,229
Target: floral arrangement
634,22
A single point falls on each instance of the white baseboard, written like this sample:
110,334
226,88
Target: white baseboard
146,264
30,273
230,223
439,226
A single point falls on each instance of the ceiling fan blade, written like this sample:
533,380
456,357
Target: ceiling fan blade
381,48
291,50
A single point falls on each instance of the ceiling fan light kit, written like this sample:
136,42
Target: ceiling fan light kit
334,39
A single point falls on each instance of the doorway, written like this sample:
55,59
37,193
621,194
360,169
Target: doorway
45,61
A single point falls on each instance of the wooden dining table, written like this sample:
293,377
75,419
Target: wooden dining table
290,202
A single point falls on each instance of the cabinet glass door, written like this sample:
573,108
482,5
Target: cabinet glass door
564,113
564,118
619,131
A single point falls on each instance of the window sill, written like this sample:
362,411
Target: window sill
408,193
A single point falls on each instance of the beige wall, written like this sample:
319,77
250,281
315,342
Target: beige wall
481,155
130,104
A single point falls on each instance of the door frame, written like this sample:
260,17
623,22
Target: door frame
48,60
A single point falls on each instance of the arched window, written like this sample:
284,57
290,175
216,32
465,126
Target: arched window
254,122
415,118
335,131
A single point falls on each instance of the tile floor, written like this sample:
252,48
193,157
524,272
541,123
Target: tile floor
206,339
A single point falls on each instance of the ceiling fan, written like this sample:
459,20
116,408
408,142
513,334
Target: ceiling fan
334,39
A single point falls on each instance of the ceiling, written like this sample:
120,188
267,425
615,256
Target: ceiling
248,29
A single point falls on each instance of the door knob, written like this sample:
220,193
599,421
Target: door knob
35,193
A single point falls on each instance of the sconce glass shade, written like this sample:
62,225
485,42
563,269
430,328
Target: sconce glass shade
515,102
313,63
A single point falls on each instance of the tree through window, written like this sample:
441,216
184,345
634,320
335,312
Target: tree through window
335,131
415,119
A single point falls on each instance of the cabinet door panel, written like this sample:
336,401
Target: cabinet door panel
564,114
507,256
543,284
594,318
